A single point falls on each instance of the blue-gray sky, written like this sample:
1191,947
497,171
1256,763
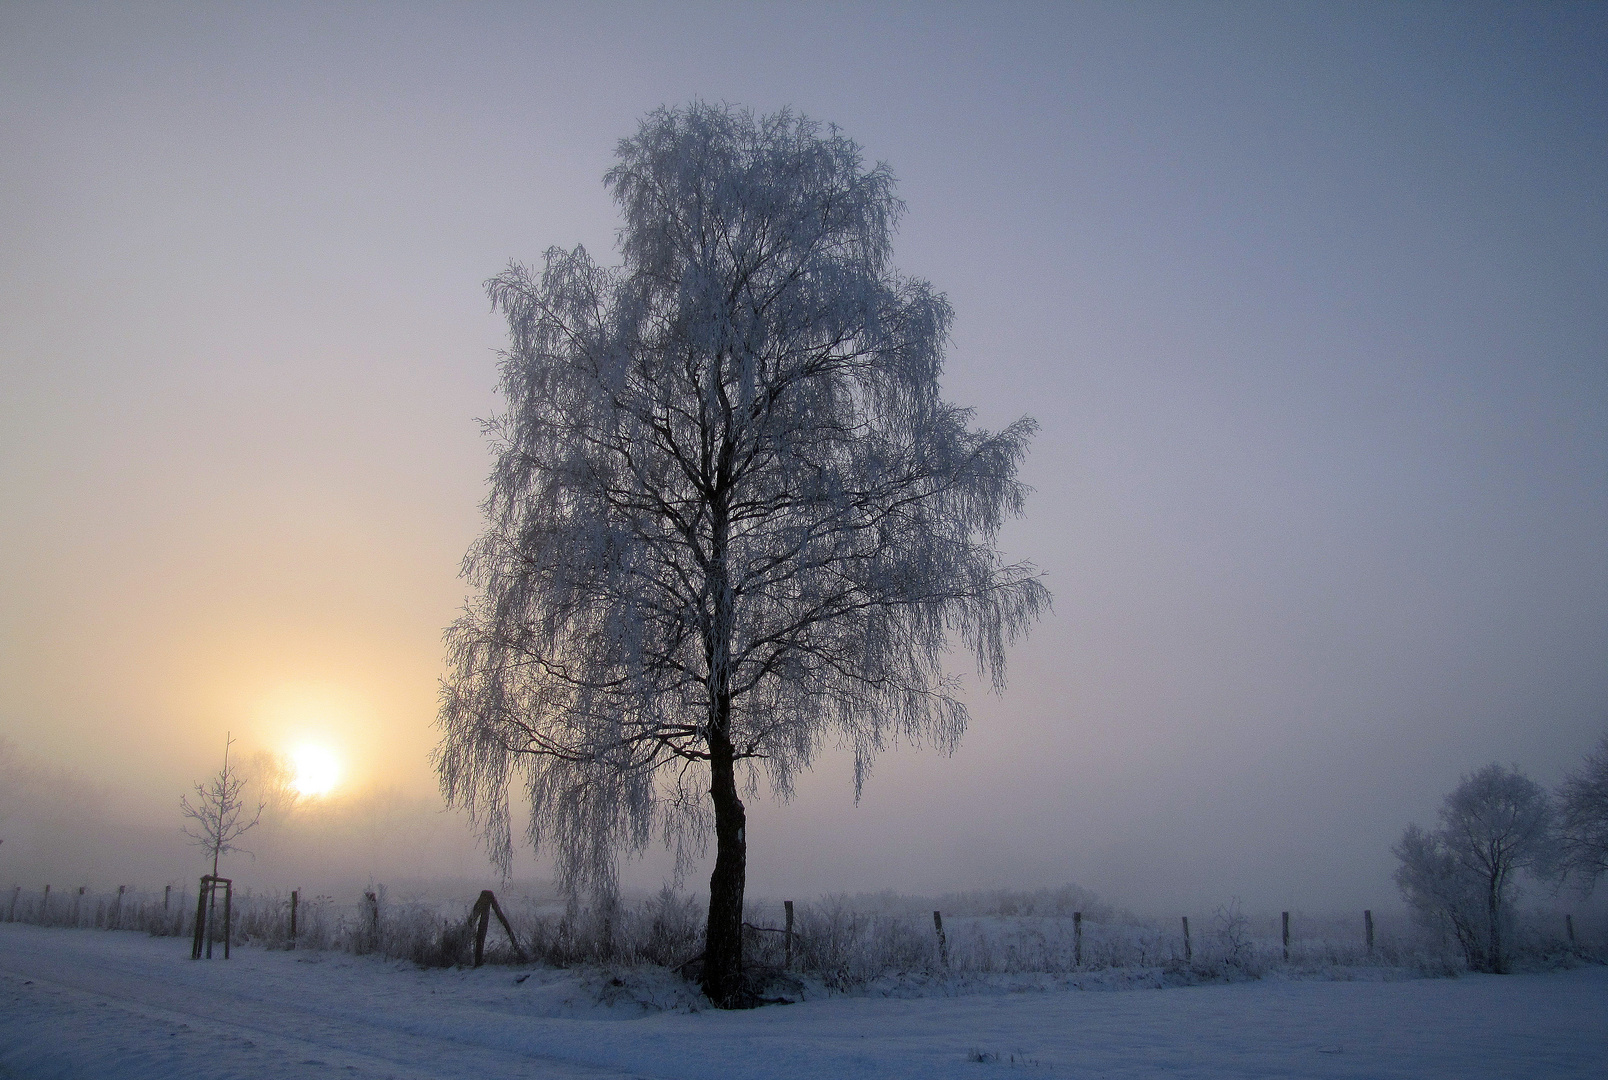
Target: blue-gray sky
1311,302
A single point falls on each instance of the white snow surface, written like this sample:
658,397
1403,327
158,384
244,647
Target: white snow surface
87,1003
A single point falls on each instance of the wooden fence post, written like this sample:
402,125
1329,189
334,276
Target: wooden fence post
1077,939
1568,924
373,901
1286,937
1189,953
943,942
293,918
787,955
1367,926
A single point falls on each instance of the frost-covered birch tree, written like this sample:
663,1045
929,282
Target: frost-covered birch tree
1463,876
732,522
1583,821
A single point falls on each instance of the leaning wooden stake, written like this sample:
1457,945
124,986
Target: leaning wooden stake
1367,925
293,898
484,908
1077,939
943,942
1286,937
1189,953
1568,924
200,920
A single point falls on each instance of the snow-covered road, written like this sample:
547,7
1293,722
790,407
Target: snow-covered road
128,1007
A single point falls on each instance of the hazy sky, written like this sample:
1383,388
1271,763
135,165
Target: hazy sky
1311,303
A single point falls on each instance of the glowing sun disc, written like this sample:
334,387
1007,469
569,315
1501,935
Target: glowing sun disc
316,770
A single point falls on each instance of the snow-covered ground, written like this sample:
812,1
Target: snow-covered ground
123,1006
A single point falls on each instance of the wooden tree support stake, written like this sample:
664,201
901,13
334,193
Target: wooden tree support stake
943,942
1189,953
1077,939
1286,937
205,902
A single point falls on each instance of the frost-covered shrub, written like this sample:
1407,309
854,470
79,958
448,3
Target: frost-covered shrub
844,947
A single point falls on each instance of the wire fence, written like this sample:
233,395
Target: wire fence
843,942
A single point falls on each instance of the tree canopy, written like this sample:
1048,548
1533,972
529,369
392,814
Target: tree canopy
732,521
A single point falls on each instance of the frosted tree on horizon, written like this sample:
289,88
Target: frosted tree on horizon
731,523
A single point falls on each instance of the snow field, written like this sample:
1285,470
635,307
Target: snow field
129,1006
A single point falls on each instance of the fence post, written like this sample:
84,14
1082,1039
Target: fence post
1077,939
943,942
374,919
1568,924
1189,953
787,961
1286,937
293,918
1367,925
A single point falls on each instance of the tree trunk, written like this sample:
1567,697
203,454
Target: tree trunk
723,940
1494,911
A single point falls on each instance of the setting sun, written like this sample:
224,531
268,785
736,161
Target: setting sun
315,770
